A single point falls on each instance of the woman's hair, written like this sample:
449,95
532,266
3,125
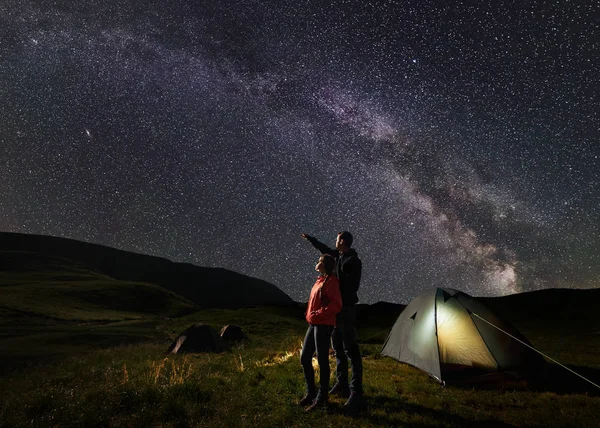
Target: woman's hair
328,263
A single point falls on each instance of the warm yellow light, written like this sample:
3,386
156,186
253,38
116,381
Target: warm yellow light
458,339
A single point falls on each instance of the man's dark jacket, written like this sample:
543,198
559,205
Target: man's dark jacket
348,269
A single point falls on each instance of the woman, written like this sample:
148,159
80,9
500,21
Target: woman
323,305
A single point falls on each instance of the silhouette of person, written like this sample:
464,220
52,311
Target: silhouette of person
348,269
324,304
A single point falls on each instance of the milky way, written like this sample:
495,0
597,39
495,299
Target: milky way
457,141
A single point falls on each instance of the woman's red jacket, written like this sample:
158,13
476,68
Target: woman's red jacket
325,301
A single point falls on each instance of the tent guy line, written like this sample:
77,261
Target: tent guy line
542,354
376,334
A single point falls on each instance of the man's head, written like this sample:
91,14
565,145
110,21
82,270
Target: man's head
343,241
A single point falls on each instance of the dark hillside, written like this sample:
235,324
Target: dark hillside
43,288
206,287
25,261
380,314
557,305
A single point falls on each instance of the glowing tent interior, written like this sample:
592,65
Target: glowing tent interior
451,335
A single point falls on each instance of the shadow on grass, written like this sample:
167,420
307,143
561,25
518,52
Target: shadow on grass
554,379
562,381
392,406
60,346
10,364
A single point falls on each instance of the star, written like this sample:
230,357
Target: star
460,153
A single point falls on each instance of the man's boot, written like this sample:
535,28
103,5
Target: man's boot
354,404
308,398
341,390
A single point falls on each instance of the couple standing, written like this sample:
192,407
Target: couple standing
331,314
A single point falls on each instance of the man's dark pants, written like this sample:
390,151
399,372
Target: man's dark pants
317,339
346,348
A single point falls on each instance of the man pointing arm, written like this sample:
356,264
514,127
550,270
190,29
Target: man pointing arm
348,269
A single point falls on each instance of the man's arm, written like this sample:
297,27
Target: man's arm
324,249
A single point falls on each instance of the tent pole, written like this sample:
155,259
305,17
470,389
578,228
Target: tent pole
437,338
531,347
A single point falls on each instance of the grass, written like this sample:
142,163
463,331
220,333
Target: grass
78,349
256,384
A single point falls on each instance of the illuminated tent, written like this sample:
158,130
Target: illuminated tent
442,333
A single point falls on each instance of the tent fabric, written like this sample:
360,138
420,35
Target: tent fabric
439,334
197,338
459,341
232,333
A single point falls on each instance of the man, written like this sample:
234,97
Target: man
348,269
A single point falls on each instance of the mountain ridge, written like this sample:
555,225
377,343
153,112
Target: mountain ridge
204,286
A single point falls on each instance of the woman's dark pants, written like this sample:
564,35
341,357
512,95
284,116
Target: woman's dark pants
317,339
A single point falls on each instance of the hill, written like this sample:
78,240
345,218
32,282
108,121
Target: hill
378,314
43,287
550,306
205,287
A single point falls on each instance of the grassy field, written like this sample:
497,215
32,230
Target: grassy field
116,374
82,351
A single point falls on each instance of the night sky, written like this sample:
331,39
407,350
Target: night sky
459,141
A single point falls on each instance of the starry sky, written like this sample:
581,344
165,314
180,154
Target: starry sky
459,141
